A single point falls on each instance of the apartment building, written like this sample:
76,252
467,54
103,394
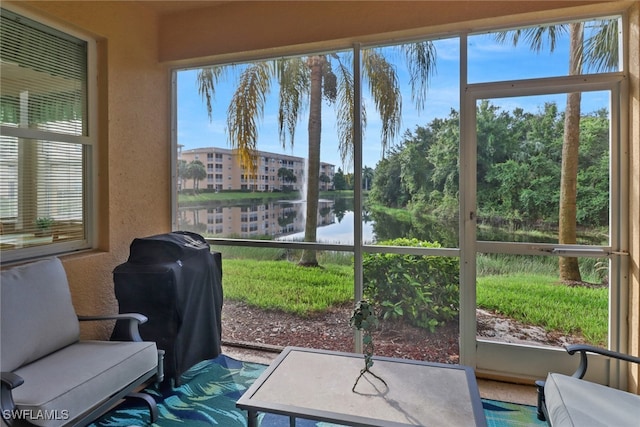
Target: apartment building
224,171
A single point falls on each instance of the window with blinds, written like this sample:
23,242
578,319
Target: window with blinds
45,146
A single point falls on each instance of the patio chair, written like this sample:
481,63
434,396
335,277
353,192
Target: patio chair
572,401
49,376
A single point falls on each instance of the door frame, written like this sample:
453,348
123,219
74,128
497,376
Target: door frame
527,362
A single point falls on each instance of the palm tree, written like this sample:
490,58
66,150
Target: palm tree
598,52
287,175
305,81
182,173
196,171
324,178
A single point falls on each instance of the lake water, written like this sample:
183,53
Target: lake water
340,232
279,219
285,220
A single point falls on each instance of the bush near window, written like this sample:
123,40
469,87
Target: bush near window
420,290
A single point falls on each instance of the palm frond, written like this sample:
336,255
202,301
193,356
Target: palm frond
345,112
536,37
245,108
383,85
599,53
601,48
293,76
329,83
421,62
207,79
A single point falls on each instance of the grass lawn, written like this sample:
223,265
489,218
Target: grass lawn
541,300
281,285
534,299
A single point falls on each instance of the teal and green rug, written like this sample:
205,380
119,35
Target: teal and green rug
210,389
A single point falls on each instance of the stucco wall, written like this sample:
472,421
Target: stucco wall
133,190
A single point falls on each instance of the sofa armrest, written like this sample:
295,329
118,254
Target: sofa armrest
135,319
583,349
8,381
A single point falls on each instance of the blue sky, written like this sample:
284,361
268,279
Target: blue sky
488,61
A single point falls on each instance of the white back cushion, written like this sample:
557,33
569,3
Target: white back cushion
37,316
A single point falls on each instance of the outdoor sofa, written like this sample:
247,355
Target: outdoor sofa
572,401
49,376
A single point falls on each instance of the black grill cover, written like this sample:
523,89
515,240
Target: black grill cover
176,281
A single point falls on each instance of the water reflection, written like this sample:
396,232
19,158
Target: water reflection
421,227
275,219
285,220
339,232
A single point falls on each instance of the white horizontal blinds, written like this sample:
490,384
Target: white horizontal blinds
41,187
44,77
59,189
8,178
43,163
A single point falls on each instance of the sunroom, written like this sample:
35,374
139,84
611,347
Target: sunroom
439,132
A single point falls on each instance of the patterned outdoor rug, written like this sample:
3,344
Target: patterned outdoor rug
210,389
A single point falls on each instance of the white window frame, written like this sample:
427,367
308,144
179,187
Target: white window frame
468,246
89,141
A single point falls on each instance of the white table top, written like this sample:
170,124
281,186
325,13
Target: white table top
317,384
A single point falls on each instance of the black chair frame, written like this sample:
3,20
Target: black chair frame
583,350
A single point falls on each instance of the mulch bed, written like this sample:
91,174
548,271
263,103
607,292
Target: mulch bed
247,326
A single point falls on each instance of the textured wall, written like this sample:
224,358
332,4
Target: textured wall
133,152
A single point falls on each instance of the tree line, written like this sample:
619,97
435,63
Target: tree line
519,159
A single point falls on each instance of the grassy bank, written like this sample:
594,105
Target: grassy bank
280,285
535,299
540,300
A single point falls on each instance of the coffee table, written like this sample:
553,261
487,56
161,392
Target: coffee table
316,384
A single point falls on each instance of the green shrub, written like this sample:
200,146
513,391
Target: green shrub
421,290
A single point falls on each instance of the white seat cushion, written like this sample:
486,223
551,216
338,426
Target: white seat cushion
80,376
574,402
